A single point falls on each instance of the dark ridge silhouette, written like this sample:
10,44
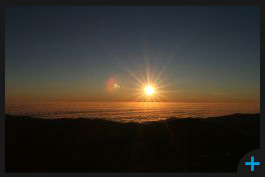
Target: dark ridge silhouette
175,145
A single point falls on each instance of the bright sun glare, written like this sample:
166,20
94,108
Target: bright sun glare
149,86
149,90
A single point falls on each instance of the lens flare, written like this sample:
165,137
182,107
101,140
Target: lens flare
149,84
149,90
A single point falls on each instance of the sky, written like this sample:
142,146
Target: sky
99,53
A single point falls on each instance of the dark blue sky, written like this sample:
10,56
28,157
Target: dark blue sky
69,52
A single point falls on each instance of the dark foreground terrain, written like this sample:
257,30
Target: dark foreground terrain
175,145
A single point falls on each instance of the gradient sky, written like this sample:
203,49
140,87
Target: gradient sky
58,53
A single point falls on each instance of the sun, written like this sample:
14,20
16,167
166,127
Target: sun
150,84
149,90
